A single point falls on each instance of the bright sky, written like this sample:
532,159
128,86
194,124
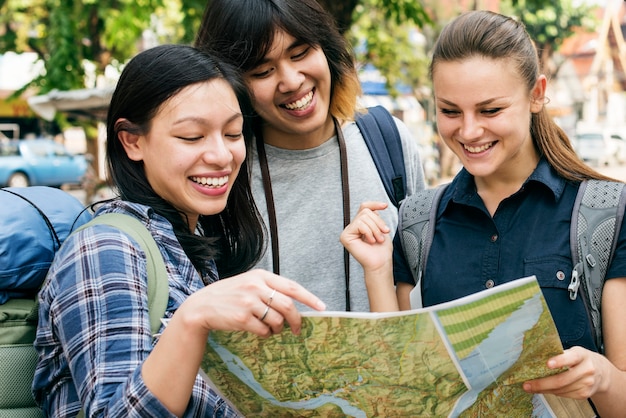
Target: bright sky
17,69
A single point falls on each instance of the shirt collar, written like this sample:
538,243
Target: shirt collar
545,174
464,188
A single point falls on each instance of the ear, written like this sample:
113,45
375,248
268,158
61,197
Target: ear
130,141
538,94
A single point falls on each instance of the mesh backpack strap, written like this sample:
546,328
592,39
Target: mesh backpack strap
416,226
387,154
158,286
596,219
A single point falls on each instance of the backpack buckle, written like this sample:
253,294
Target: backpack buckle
590,260
574,284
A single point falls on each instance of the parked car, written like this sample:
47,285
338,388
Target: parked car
618,136
600,147
39,162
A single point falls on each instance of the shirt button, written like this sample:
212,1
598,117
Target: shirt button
560,275
494,237
489,284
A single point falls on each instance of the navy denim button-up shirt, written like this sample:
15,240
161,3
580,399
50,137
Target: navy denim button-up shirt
529,234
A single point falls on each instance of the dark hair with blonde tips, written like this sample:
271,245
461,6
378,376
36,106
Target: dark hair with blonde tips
242,32
498,37
233,238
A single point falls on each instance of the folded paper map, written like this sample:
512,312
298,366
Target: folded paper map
465,358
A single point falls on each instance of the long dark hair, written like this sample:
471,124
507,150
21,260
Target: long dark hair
242,32
492,35
234,237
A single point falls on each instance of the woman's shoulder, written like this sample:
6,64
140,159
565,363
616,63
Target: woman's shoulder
97,241
137,210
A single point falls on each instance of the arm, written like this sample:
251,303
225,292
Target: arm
402,275
99,314
236,303
403,292
367,239
589,374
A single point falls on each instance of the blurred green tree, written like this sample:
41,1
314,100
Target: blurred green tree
77,40
550,23
72,36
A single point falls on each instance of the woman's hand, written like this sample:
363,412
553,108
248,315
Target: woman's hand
586,374
256,301
591,375
367,237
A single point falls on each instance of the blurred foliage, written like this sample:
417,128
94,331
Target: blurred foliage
401,48
394,46
77,40
71,36
550,23
398,11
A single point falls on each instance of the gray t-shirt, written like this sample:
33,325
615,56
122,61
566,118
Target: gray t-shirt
309,210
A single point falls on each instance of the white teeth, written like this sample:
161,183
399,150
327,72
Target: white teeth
211,181
302,103
478,149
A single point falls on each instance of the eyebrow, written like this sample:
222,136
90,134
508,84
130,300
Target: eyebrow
203,121
483,103
295,44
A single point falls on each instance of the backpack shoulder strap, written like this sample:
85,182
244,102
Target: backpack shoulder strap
387,154
596,220
158,286
416,226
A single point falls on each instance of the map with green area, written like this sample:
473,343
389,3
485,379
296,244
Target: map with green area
462,358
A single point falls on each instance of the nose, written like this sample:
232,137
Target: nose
291,78
216,151
470,127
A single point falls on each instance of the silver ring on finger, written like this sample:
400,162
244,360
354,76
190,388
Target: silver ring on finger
267,309
269,301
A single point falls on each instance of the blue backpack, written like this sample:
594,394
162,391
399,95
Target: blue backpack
387,154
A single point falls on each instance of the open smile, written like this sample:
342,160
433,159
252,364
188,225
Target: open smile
300,104
479,149
211,182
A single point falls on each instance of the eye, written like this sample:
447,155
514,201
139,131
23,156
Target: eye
301,54
190,138
448,112
492,111
261,72
234,136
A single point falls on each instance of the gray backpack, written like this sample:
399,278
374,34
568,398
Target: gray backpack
596,219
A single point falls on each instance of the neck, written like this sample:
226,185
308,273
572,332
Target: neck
299,140
495,188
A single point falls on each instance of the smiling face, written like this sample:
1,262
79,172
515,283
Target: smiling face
483,114
194,149
291,91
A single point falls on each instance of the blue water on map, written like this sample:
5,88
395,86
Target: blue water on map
504,346
236,366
